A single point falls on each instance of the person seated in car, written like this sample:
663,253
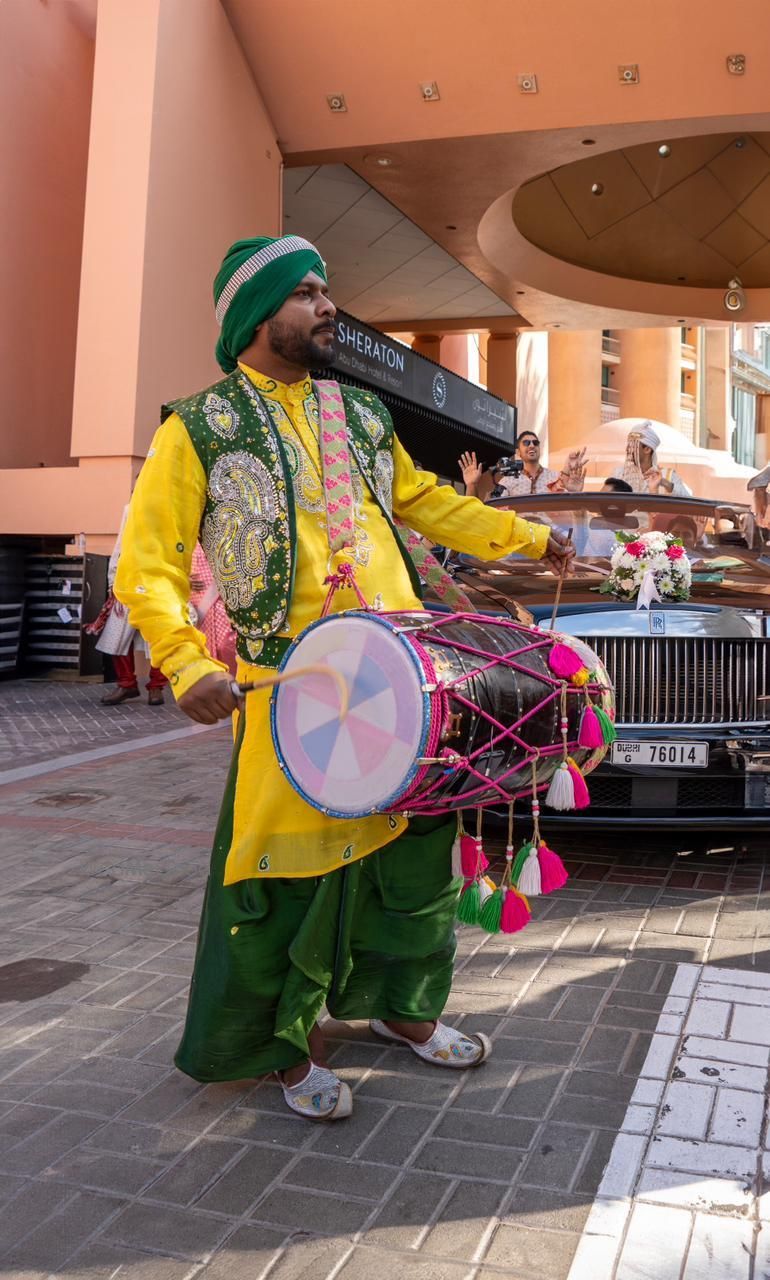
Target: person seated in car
641,469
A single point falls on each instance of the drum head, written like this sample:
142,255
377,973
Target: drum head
354,766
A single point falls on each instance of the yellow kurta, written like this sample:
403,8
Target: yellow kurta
275,832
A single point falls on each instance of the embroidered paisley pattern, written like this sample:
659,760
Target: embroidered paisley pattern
254,397
383,479
220,415
235,530
373,425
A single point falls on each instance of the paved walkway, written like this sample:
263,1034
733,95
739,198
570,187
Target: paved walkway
631,1035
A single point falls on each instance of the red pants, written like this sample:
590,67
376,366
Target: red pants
125,673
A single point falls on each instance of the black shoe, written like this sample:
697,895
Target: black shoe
155,698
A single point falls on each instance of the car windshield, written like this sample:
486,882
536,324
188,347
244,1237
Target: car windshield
729,555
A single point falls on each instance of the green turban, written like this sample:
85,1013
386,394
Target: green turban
253,283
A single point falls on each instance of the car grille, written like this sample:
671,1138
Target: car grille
686,680
708,792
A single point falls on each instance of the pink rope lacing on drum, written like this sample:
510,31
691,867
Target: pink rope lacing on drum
425,802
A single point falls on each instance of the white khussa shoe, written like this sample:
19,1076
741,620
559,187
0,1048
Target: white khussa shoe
446,1047
319,1096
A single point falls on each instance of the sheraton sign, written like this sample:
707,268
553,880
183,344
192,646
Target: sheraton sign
380,362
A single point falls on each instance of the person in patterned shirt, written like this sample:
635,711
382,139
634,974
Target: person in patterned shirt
534,478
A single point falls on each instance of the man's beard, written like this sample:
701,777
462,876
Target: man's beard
298,349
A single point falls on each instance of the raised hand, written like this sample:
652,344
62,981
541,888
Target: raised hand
471,469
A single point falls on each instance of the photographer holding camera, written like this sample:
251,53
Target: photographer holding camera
514,477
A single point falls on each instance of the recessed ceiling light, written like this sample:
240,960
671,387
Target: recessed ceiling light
336,102
664,150
527,82
736,64
520,293
450,226
379,158
429,91
597,189
681,322
629,73
740,143
588,142
681,279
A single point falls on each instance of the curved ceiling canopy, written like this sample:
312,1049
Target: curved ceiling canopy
681,211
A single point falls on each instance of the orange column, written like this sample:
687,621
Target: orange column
715,351
454,353
574,387
501,366
428,344
650,374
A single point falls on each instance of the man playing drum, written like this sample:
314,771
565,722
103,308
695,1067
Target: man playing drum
296,915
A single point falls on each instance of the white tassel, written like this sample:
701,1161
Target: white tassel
561,793
484,890
530,882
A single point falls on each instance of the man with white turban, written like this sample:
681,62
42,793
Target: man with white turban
641,469
302,910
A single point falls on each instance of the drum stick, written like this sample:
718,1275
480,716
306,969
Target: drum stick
560,583
313,668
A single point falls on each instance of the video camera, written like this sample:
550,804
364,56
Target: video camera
509,467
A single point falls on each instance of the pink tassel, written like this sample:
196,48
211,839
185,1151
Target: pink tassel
473,860
516,913
564,662
582,798
590,733
553,873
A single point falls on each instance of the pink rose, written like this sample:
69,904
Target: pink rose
635,548
675,552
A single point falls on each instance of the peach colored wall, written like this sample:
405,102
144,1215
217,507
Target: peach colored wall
178,168
46,69
532,385
649,375
574,386
215,156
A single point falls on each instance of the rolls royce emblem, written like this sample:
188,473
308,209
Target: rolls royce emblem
657,622
439,390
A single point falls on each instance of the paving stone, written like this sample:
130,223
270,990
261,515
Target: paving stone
194,1172
365,1263
464,1220
101,1171
528,1028
103,1261
527,1252
710,1071
686,1109
174,1231
34,1204
533,1092
342,1177
599,1084
462,1160
323,1214
556,1156
139,1140
591,1172
53,1242
655,1245
751,1024
596,1113
623,1166
402,1078
552,1210
711,1158
413,1203
720,1249
91,1099
237,1190
606,1049
664,1186
737,1118
496,1131
49,1144
752,1055
392,1143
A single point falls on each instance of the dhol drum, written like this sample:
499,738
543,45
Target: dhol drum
447,711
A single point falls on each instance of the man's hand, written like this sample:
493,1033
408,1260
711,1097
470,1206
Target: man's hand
210,699
472,470
559,553
575,471
654,478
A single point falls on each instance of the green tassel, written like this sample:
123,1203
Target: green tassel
519,860
609,732
469,906
491,912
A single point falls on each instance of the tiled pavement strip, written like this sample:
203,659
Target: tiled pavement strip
114,1165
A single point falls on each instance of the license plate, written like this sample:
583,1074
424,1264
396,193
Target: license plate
662,755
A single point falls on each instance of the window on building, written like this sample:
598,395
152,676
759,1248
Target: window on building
606,375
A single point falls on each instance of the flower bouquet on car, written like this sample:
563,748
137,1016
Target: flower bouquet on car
648,567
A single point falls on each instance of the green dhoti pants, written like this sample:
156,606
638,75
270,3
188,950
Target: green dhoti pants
374,939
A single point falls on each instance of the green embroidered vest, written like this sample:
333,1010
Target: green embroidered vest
248,529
